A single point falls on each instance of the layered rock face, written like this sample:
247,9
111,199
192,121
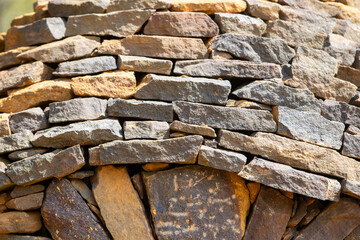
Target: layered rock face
181,119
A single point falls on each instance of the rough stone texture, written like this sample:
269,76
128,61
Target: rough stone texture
263,9
286,178
77,109
81,174
341,112
193,129
32,119
351,188
152,110
20,222
18,155
351,146
349,74
208,7
36,94
83,133
354,235
341,48
339,219
86,66
120,205
116,5
20,191
2,42
182,150
65,50
14,142
18,237
308,127
9,58
181,24
144,64
64,8
270,215
225,117
110,84
26,203
252,48
189,196
150,167
5,129
357,59
65,210
314,5
227,68
353,130
146,129
44,31
203,90
24,75
221,159
84,191
347,12
293,153
348,30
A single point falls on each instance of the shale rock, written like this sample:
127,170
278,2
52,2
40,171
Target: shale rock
349,74
341,112
351,146
4,125
14,142
265,10
208,7
116,5
25,203
20,222
20,191
193,129
351,188
64,8
18,155
84,191
144,64
32,119
341,48
146,129
9,58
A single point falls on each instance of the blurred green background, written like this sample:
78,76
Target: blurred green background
9,9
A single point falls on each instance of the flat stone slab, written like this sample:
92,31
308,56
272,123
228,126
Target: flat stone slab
26,222
38,168
64,8
156,87
32,119
155,46
86,66
351,146
209,7
215,68
116,5
84,191
144,151
152,110
21,154
265,10
15,142
116,24
20,191
286,178
146,129
225,117
9,58
349,74
83,133
341,112
144,64
350,188
26,203
193,129
78,109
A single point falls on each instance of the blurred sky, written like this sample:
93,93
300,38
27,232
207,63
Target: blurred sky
9,9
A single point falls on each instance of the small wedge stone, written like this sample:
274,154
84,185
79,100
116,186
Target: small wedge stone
351,188
144,64
146,129
208,7
26,222
26,203
5,129
84,191
32,119
193,129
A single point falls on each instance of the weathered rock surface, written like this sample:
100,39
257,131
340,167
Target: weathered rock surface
353,130
120,205
193,129
65,50
152,110
110,84
20,191
144,64
225,117
253,48
354,235
9,58
312,5
357,59
44,31
77,109
293,153
38,168
25,203
221,159
20,222
81,174
351,146
32,119
83,133
2,42
18,155
64,209
286,178
341,112
146,129
181,24
5,129
156,87
116,5
64,8
347,12
227,68
86,66
348,30
182,150
351,188
14,142
208,7
84,191
349,74
18,237
341,48
117,24
265,10
5,181
272,93
188,197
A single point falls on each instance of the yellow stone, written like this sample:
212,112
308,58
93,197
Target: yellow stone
150,167
347,12
254,189
208,6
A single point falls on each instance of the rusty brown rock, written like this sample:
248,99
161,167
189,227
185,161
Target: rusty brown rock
26,203
209,7
9,58
349,74
20,222
20,191
5,129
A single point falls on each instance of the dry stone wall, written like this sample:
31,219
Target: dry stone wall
182,119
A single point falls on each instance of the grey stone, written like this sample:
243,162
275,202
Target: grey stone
272,93
240,24
144,64
32,119
348,30
178,150
203,90
265,10
152,110
5,181
84,191
26,203
341,112
26,222
308,127
86,66
353,130
81,174
341,48
286,178
193,129
221,159
225,117
146,129
15,142
351,146
227,68
350,188
43,31
55,164
349,74
65,50
9,58
314,5
20,191
18,155
116,5
77,109
64,8
116,24
83,133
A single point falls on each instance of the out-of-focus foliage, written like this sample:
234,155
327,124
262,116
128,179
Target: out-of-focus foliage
9,9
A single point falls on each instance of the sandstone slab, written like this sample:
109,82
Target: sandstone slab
9,58
182,150
26,203
155,46
341,48
156,87
350,188
208,7
225,117
63,8
21,154
349,74
38,168
14,142
341,112
32,119
20,222
116,5
144,64
5,129
146,129
351,146
20,191
265,10
193,129
120,205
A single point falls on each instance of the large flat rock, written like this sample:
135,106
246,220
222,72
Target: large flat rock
145,64
208,7
146,130
341,112
20,222
64,8
32,119
15,142
116,5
